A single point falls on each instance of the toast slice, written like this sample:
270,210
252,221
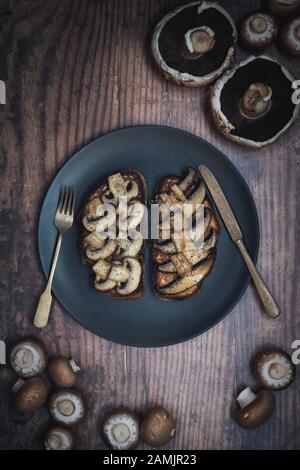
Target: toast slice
116,262
179,268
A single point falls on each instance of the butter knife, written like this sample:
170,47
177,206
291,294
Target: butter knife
270,305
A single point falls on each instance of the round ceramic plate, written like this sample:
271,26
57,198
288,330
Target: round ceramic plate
154,151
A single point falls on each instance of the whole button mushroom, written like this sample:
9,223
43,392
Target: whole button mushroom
158,427
120,429
284,8
30,395
59,438
28,357
67,407
63,372
195,43
255,409
258,31
290,36
274,369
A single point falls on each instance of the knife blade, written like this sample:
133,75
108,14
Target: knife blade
234,230
222,204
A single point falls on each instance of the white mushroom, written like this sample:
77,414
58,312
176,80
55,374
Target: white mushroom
135,274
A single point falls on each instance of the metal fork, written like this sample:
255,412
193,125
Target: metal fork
63,220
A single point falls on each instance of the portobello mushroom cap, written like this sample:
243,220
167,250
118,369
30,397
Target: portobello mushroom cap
290,36
28,357
252,103
254,409
274,369
120,429
258,30
67,407
284,8
31,395
195,43
59,438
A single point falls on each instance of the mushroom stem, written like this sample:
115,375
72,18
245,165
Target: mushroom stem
258,25
74,366
257,101
198,41
246,397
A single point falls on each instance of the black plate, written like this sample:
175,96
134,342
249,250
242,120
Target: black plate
154,151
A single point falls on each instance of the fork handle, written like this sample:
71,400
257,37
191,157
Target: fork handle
270,305
43,310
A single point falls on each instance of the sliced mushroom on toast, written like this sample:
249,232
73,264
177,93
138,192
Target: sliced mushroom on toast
116,261
183,260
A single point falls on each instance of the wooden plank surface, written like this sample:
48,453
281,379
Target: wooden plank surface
75,70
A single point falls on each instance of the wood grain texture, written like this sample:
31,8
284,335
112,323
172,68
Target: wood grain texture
75,70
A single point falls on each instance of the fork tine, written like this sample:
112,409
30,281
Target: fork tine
66,200
72,208
61,198
70,202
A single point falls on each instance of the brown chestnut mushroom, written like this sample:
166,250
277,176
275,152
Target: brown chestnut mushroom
30,395
252,103
158,427
120,429
254,409
59,438
67,407
28,357
195,43
63,371
258,31
290,36
284,8
274,369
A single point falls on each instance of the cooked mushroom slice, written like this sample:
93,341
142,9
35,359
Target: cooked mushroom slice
63,372
290,36
158,427
134,246
194,44
136,212
252,103
258,30
119,187
254,409
135,275
284,7
194,256
120,429
67,407
274,369
193,278
59,438
94,241
28,357
30,395
188,181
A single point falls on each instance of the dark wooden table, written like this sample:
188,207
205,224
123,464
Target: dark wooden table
75,70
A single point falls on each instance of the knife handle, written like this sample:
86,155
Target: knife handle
270,305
